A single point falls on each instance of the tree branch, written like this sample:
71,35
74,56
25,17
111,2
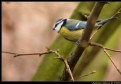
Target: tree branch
111,60
88,74
105,50
117,13
18,54
67,67
48,52
84,40
66,64
101,46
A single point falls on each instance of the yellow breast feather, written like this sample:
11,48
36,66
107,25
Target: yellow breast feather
72,35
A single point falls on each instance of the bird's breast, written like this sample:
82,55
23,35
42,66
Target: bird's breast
72,35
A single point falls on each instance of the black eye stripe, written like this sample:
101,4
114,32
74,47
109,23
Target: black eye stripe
57,24
60,21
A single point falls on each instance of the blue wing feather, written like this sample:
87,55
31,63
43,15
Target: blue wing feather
79,25
76,24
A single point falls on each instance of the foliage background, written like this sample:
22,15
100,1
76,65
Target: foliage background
27,28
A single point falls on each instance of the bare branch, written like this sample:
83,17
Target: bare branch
66,64
48,52
9,52
105,50
117,13
101,46
67,68
88,74
18,54
111,60
93,34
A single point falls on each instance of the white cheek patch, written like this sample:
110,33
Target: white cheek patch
58,27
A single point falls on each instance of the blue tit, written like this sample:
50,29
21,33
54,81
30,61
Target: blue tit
72,29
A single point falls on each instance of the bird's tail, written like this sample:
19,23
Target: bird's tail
102,22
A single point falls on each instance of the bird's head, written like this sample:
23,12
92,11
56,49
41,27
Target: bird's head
58,24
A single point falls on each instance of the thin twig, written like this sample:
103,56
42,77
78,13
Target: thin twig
93,34
117,13
88,74
9,52
105,50
111,60
101,46
18,54
68,68
48,52
66,64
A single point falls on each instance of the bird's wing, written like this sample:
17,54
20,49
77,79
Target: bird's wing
77,26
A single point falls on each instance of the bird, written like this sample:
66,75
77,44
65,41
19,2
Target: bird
72,29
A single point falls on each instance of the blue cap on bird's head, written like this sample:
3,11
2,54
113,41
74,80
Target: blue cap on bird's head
59,23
